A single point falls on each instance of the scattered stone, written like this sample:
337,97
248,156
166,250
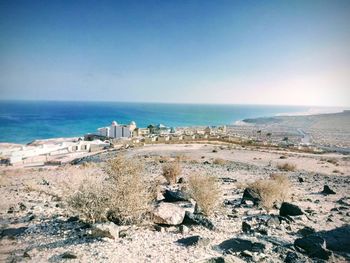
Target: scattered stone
238,245
198,219
11,210
175,196
72,219
68,255
306,231
44,182
227,180
216,260
123,233
168,214
301,179
22,206
181,180
273,221
12,232
327,191
288,209
193,241
250,195
26,255
101,230
292,257
160,228
314,246
246,228
246,254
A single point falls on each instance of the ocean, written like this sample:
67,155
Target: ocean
25,121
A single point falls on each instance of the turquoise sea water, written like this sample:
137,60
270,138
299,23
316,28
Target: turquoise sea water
25,121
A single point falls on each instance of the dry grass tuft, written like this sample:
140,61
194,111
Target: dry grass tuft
205,191
288,167
171,171
272,190
123,196
219,161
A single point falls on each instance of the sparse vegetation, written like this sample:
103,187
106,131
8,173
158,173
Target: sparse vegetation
288,167
205,191
171,170
272,190
122,196
219,161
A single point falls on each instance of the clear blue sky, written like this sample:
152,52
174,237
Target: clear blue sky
255,52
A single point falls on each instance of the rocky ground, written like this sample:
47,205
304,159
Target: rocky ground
36,225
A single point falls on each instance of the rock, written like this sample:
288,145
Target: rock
181,180
337,239
246,228
288,209
292,257
101,230
238,245
184,230
44,182
216,260
198,219
72,219
175,196
273,221
300,179
26,255
160,228
250,195
123,233
168,214
306,231
227,180
314,246
68,255
327,191
22,206
193,241
13,232
11,210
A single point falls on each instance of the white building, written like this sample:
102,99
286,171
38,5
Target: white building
117,130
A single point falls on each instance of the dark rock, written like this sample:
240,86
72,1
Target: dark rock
314,246
123,233
181,180
11,210
327,191
69,255
250,195
198,219
238,245
227,180
175,196
193,241
337,239
72,219
246,228
342,201
306,231
206,162
26,255
292,257
22,206
301,179
216,260
13,232
288,209
44,182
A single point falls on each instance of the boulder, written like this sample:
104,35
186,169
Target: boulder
198,219
337,239
239,245
327,191
175,196
306,231
101,230
288,209
314,246
13,232
251,195
193,241
168,214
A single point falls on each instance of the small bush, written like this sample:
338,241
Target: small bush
287,167
205,191
123,196
219,161
171,171
275,189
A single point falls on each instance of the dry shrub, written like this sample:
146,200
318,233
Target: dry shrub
287,167
171,171
123,196
205,191
273,190
219,161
